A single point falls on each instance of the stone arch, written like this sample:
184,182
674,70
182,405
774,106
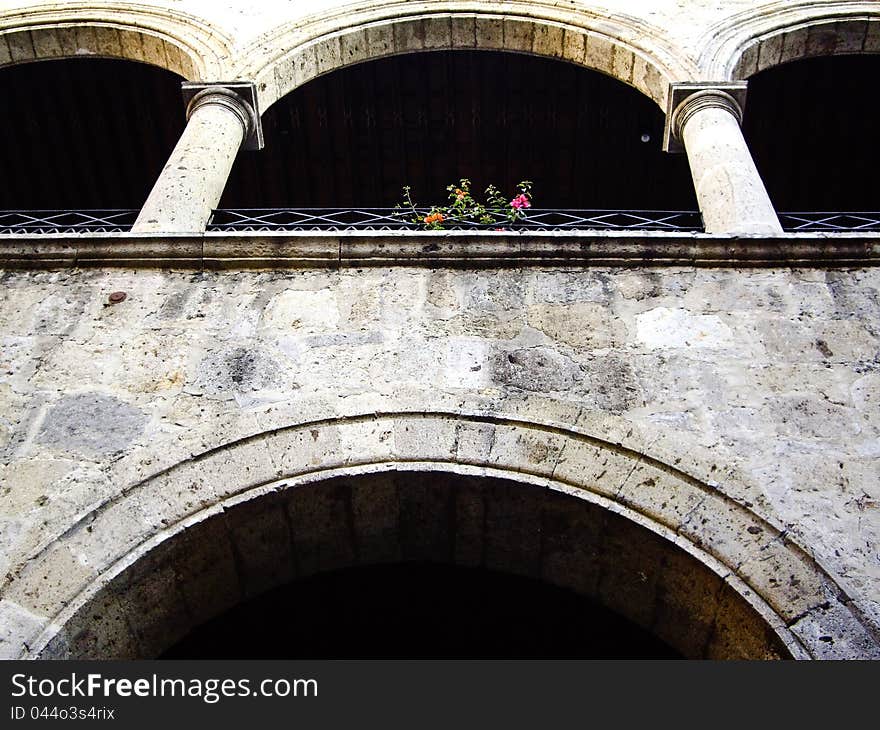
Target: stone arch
169,39
783,32
619,46
114,552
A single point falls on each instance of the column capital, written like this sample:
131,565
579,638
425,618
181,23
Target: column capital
239,97
684,99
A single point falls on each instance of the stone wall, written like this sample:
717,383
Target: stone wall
759,385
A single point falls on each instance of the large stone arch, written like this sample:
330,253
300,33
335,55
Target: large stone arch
169,39
620,46
54,603
782,32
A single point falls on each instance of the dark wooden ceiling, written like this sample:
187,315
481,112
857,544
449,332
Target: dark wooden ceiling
85,133
94,133
812,128
356,137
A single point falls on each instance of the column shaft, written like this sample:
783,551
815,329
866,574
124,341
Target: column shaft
730,192
193,179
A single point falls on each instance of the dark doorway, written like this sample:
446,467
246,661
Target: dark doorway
419,610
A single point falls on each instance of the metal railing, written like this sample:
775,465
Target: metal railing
105,220
388,219
835,222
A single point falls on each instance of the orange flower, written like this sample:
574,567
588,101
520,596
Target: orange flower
459,193
434,218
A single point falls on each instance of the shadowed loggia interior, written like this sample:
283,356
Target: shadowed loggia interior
419,610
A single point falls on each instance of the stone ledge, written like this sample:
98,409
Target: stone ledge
485,249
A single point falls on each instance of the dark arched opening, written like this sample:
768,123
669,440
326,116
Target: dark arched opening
85,133
417,611
355,137
811,126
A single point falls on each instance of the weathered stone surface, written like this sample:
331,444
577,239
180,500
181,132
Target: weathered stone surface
91,424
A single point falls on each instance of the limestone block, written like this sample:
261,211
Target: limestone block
354,46
527,450
624,64
784,579
21,48
584,464
381,40
424,439
518,34
109,44
17,627
5,54
46,43
872,37
726,530
794,45
599,54
490,33
110,532
821,40
438,32
45,586
369,441
301,451
132,45
574,46
409,36
664,497
328,54
831,633
464,31
549,40
473,441
154,50
770,51
67,39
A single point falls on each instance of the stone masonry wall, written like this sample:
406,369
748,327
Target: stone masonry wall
768,375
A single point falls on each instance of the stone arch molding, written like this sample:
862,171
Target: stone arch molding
749,42
623,47
166,38
65,600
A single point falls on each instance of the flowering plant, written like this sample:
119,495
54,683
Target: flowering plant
463,207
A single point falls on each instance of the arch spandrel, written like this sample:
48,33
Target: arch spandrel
749,555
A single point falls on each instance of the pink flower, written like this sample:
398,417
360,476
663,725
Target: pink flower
520,201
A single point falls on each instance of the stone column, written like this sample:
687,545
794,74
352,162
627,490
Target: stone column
730,192
192,181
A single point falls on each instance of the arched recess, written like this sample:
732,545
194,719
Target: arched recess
172,40
750,42
675,540
622,47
